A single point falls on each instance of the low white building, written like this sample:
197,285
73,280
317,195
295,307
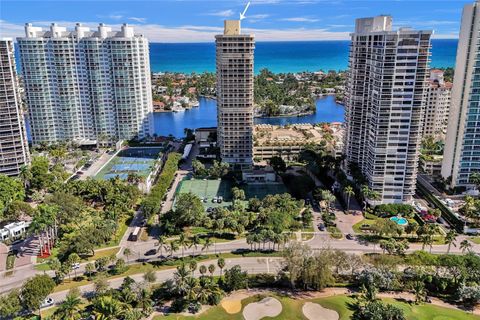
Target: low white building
14,231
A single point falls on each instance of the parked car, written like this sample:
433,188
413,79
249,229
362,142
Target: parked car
76,266
321,227
349,237
48,302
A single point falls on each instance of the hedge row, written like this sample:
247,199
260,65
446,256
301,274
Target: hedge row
151,204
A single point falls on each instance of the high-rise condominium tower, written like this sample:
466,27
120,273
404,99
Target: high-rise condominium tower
13,142
84,85
235,95
437,106
385,101
462,147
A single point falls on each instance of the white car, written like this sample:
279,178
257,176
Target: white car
76,266
48,302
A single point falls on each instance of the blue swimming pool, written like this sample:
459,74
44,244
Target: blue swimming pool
399,220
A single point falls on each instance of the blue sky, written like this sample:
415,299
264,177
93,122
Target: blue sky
200,20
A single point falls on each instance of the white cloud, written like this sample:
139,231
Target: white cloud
137,19
223,13
424,23
299,19
257,16
115,16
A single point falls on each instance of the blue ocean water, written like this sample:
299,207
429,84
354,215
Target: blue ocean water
205,115
277,56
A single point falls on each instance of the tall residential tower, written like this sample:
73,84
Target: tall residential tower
86,86
437,106
462,147
13,141
235,95
384,103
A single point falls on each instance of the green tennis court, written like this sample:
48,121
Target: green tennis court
209,189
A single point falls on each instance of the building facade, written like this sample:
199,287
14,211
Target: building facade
234,55
13,139
462,146
437,106
384,103
86,86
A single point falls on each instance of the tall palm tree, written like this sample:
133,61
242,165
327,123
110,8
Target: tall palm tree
208,243
195,241
25,175
127,252
465,245
70,308
450,239
183,242
173,247
221,265
161,241
349,193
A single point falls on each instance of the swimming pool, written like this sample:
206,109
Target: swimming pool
399,220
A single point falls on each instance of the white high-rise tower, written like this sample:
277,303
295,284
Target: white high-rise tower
462,146
84,85
384,103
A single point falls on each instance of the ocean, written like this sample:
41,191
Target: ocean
277,56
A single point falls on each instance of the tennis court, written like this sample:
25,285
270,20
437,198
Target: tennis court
208,189
139,161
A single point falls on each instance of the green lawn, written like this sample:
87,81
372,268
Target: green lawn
335,232
475,240
292,310
10,261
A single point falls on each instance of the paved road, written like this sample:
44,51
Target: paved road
171,193
250,264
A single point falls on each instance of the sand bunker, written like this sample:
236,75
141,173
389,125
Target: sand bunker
268,307
232,306
314,311
233,303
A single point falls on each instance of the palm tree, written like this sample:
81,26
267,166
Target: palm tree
349,193
144,301
173,247
475,179
192,288
183,242
203,270
221,265
161,241
107,308
195,241
127,252
192,266
211,269
465,245
208,243
450,239
180,277
70,307
25,175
